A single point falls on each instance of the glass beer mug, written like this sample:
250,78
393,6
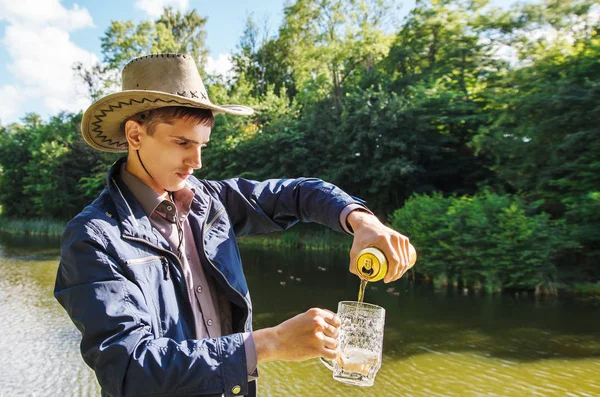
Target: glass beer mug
360,343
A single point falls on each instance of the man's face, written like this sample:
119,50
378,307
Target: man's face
171,154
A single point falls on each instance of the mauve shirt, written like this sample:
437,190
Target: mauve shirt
212,310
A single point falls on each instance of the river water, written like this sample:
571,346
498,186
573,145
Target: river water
436,343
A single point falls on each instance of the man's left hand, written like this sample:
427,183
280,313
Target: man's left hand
370,232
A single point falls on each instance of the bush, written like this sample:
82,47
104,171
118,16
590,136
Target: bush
485,239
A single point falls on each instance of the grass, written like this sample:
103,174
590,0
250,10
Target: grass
34,227
440,281
310,237
588,289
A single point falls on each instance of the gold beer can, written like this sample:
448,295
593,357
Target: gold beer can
372,264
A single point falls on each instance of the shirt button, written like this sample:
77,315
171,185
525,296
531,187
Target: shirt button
199,289
236,389
209,322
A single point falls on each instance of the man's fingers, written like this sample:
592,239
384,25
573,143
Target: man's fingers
329,353
326,321
405,254
330,331
398,259
394,263
330,324
405,258
332,319
330,343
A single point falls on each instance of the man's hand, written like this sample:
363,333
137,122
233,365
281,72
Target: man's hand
370,232
311,334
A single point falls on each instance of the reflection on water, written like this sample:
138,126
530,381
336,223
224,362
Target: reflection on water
436,344
39,343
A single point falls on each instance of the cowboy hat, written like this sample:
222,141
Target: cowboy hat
149,82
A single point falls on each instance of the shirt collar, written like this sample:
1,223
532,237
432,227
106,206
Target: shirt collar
150,200
143,193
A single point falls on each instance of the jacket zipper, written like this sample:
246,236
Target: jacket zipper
204,229
139,261
165,265
166,268
163,262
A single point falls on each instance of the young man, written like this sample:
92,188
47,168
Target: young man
150,272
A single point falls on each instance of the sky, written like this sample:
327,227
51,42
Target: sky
40,40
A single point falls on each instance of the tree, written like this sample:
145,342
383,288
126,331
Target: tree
546,140
172,32
261,60
329,41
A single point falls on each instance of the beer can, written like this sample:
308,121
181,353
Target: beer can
372,264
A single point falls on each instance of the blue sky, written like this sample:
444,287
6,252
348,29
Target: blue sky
41,39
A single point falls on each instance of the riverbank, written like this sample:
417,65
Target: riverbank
32,227
303,237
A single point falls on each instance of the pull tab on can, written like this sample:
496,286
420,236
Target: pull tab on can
371,264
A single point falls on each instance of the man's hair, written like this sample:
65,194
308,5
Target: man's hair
151,118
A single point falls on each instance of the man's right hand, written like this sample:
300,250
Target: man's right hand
311,334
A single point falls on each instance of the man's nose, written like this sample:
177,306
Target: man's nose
195,159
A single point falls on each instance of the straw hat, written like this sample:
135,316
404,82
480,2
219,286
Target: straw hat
149,82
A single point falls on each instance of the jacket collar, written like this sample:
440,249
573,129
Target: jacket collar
133,219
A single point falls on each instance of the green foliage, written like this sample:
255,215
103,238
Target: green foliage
588,289
172,32
42,165
262,61
489,116
330,40
487,238
544,141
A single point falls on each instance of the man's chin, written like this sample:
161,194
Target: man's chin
177,186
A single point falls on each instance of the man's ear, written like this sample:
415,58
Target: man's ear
133,134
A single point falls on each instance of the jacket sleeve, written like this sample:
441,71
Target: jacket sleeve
117,343
277,204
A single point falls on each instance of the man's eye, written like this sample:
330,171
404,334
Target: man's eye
181,143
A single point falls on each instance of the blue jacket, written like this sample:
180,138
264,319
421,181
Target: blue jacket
125,291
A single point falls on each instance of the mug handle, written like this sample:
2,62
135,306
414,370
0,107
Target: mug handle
327,362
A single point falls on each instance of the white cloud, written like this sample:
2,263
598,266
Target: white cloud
595,13
42,55
12,99
154,8
219,67
43,13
